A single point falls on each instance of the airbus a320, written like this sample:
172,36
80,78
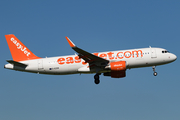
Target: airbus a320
110,63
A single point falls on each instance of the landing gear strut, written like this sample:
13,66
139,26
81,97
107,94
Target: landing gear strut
154,69
96,79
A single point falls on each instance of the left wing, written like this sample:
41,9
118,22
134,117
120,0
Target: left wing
88,57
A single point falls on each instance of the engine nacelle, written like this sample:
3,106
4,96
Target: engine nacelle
118,69
118,66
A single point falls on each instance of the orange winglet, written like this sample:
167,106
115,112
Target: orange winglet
70,42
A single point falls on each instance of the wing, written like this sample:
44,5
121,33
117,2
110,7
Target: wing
88,57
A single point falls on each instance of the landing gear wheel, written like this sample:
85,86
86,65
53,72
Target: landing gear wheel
154,69
155,73
96,76
96,79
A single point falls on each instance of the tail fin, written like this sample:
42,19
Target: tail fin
18,50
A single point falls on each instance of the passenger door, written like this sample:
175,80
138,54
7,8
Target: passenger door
153,53
40,65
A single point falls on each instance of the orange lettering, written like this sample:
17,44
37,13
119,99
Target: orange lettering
119,55
61,61
135,51
103,56
96,54
126,54
110,55
77,60
69,60
84,63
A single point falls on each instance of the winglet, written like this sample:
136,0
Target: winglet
70,42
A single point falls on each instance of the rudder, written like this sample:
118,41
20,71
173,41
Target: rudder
18,50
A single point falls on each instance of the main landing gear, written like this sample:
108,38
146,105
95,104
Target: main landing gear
96,78
154,69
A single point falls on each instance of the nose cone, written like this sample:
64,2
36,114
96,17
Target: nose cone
173,57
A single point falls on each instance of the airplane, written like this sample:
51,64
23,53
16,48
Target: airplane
112,63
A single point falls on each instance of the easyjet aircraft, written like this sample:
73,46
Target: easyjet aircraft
113,63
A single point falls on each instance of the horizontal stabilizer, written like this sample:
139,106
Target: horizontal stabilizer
17,63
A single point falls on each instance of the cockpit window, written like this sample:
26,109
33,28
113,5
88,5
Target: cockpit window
165,51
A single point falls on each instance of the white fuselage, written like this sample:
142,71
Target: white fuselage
62,65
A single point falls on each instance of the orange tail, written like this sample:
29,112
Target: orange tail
18,50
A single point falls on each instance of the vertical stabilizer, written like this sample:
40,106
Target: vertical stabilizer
18,50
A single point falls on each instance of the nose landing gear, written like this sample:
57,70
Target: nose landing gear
154,69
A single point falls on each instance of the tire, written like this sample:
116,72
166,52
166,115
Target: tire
155,73
96,77
96,81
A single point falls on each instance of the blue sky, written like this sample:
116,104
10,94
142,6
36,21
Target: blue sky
95,26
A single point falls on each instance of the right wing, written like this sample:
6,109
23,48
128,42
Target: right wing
88,57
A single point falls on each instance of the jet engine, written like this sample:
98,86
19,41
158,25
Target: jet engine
118,69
